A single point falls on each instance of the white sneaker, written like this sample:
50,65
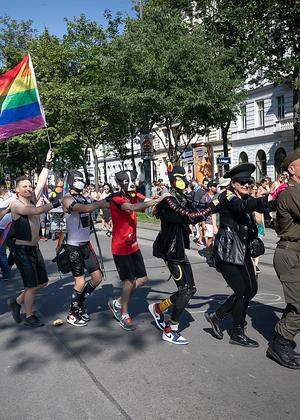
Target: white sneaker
76,320
174,337
158,318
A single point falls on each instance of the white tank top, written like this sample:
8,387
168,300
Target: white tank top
78,225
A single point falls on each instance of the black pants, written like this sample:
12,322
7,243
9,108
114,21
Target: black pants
242,280
184,280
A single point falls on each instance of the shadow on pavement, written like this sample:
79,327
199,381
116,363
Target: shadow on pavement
66,341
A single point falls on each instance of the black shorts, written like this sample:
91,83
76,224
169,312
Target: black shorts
31,265
130,267
82,257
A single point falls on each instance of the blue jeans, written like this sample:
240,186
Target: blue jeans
4,262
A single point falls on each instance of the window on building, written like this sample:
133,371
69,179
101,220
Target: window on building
261,113
244,117
280,155
280,107
243,158
261,165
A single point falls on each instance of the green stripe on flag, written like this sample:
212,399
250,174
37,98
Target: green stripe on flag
18,99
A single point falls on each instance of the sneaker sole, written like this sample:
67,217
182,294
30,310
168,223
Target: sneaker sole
273,356
218,336
154,317
178,343
113,312
76,325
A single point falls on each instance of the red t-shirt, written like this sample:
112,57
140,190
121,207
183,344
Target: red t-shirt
124,241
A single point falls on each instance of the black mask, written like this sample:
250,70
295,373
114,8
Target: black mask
126,180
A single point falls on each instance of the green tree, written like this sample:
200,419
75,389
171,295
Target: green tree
172,75
265,37
15,37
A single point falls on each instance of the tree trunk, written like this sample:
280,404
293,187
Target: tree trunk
96,167
296,108
132,148
224,131
104,164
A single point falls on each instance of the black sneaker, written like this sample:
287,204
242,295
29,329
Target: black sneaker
15,310
239,338
33,321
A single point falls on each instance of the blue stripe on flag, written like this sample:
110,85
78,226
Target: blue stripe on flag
21,113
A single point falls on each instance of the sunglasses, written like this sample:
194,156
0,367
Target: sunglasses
246,182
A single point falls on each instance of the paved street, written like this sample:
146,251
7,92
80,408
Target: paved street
103,372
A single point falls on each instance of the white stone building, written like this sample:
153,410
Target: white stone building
263,132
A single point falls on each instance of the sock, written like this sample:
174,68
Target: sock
164,305
174,326
171,326
75,300
88,289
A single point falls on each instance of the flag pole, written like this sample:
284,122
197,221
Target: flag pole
48,137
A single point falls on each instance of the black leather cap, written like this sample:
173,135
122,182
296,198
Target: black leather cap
242,171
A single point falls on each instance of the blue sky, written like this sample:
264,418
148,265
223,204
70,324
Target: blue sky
51,13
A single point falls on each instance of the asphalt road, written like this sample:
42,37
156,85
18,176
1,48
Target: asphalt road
103,372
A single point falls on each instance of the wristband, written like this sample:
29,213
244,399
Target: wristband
47,164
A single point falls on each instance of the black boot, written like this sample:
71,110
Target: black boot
280,350
215,323
239,338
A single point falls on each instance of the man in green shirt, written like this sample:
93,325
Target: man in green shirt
287,266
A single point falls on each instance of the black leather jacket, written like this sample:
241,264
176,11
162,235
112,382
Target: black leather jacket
173,238
237,227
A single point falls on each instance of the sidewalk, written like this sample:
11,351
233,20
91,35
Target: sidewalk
149,231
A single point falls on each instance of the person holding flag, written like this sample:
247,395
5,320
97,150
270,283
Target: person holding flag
26,211
21,112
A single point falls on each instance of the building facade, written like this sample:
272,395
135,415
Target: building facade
263,132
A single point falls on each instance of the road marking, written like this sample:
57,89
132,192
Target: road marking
264,297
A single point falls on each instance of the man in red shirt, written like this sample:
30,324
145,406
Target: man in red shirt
125,249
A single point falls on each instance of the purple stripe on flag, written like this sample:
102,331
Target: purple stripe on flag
21,127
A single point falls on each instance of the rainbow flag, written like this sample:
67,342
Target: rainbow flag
20,107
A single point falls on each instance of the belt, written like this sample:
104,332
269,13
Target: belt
294,246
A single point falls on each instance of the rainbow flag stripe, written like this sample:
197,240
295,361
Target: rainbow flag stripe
20,107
